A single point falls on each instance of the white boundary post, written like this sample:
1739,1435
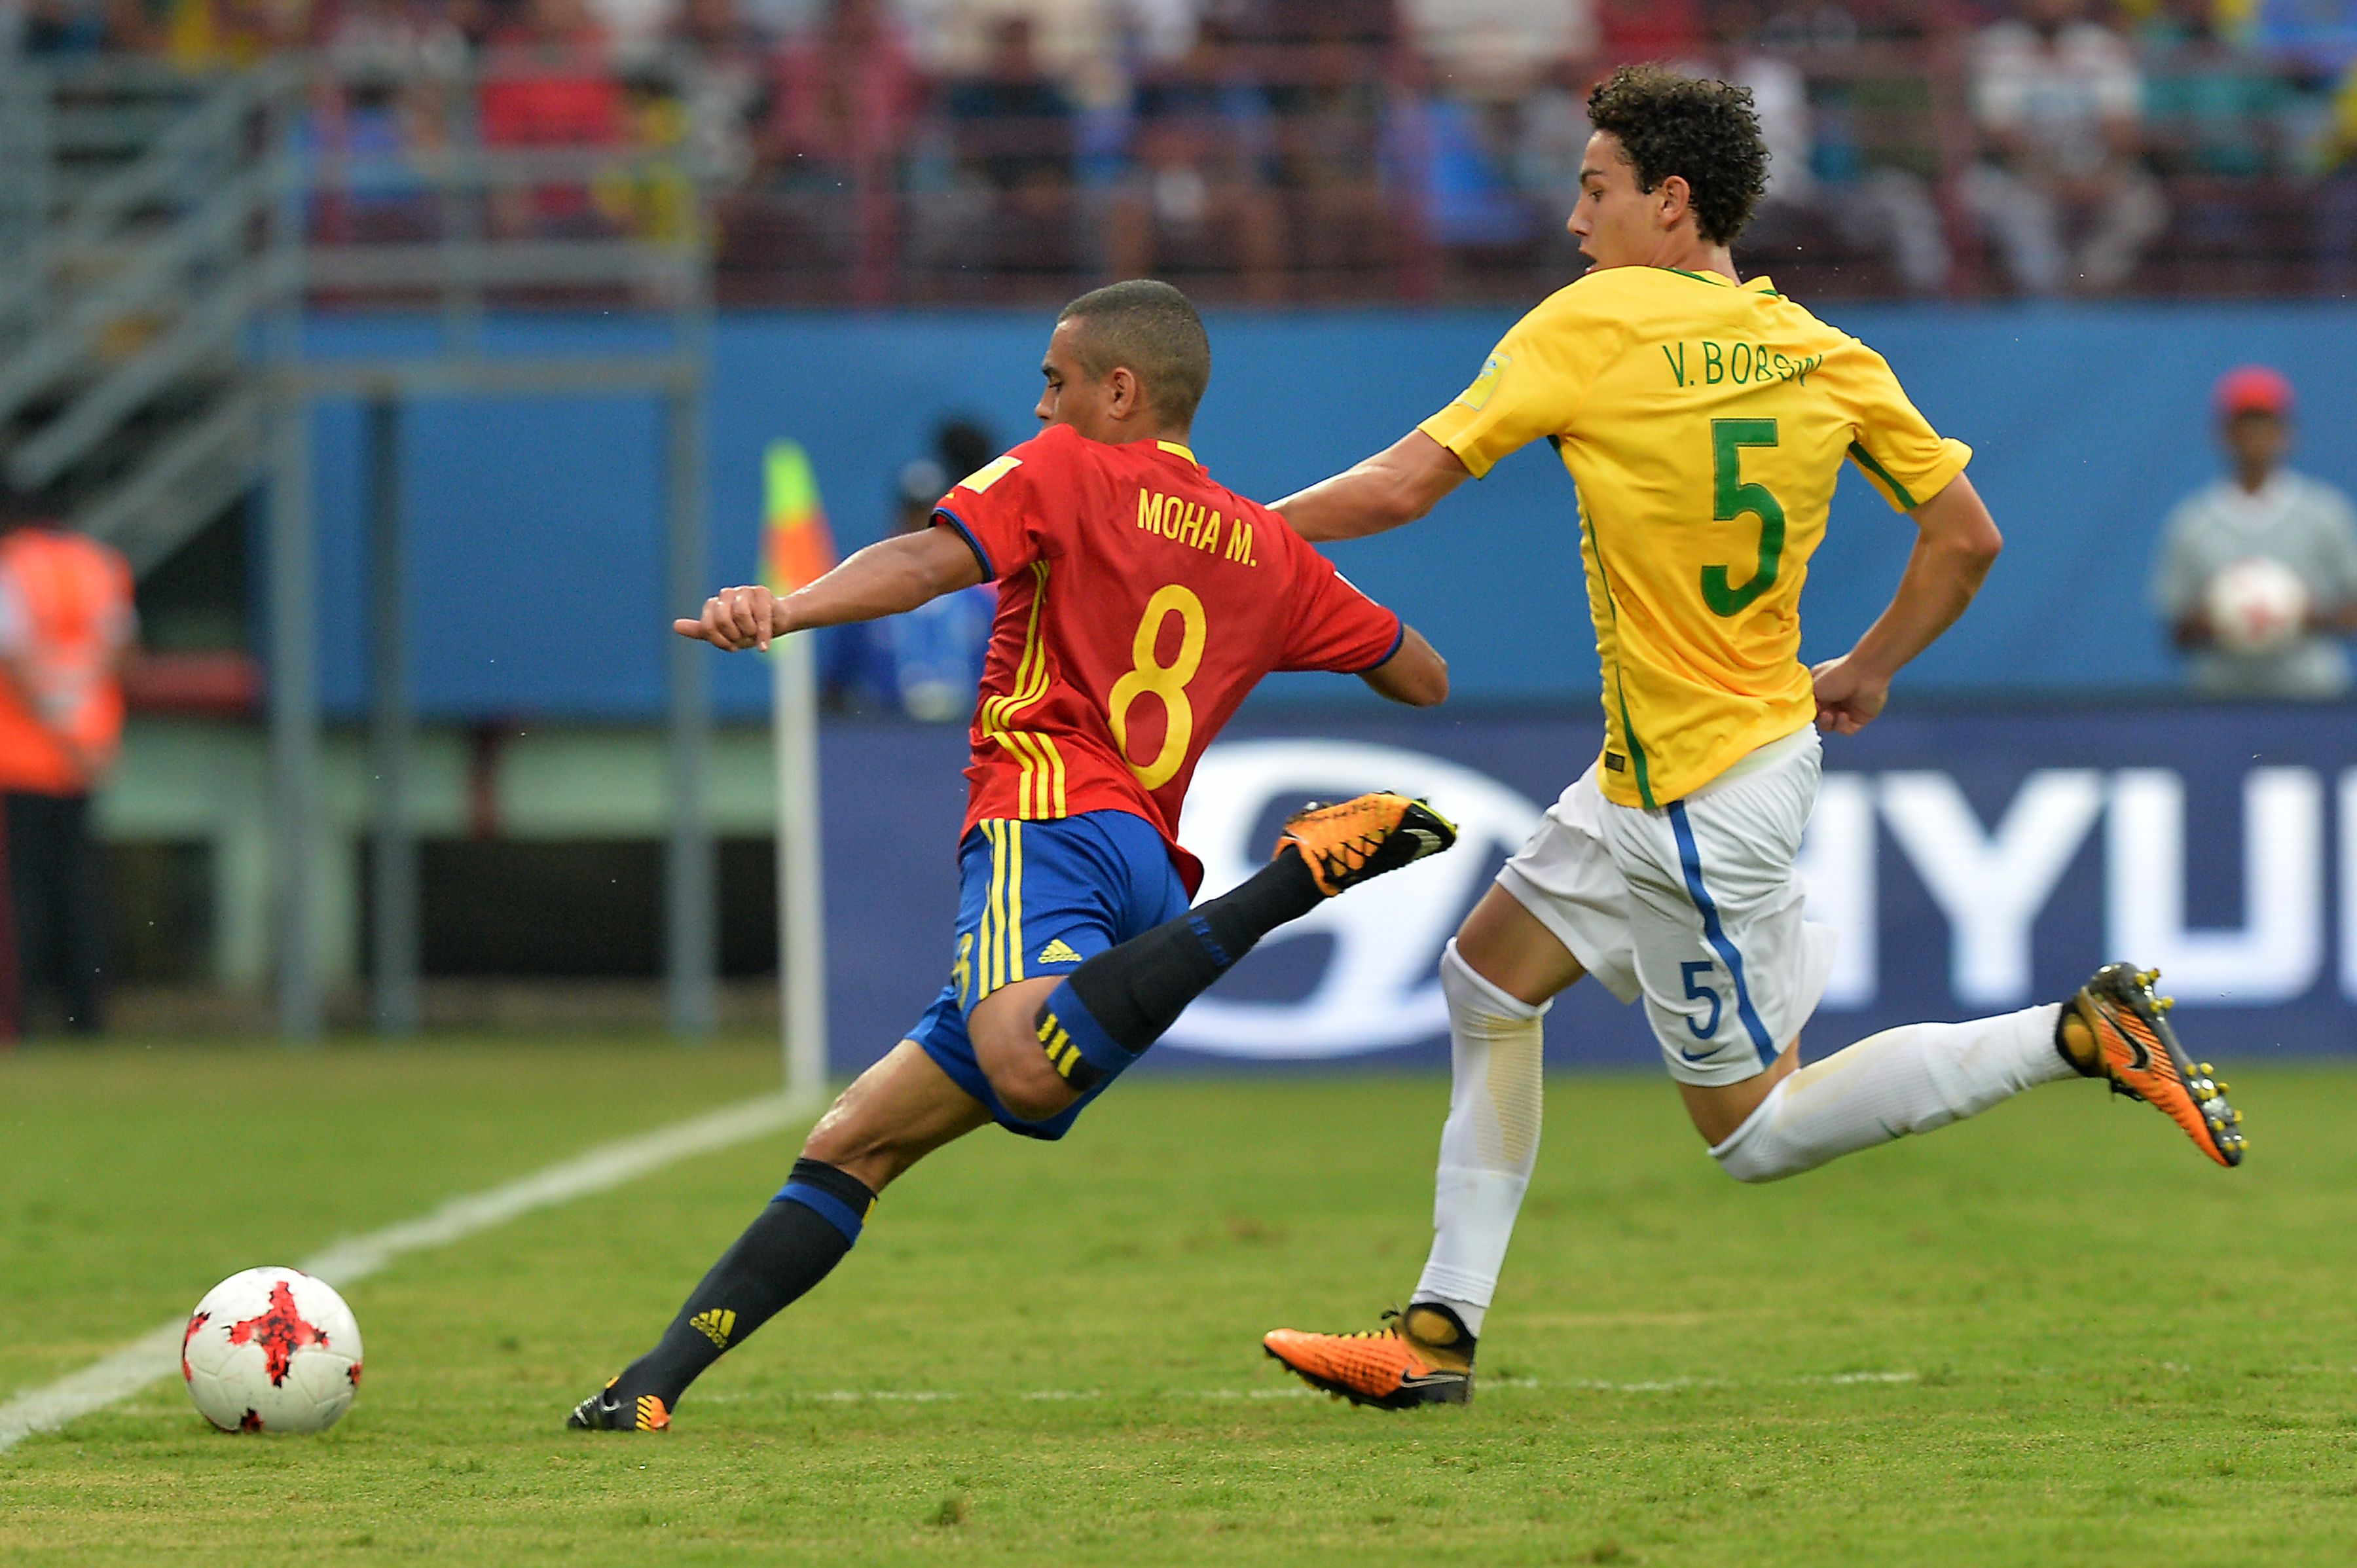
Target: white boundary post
801,891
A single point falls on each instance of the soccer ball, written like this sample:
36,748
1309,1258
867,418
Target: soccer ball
2257,604
271,1350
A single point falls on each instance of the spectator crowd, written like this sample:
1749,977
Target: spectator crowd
870,151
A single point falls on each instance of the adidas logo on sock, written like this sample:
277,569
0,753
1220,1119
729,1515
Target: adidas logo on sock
716,1325
1058,952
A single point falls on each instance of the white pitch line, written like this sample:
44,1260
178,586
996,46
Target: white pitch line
1285,1391
154,1354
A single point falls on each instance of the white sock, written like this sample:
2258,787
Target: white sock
1903,1081
1489,1142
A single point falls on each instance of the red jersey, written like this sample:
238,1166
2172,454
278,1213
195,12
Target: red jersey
1138,602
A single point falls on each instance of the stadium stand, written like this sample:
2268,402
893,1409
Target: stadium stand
876,152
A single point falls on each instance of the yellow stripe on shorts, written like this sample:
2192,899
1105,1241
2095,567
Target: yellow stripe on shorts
998,959
999,880
986,980
1014,832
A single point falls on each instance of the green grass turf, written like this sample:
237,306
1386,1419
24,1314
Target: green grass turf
2053,1335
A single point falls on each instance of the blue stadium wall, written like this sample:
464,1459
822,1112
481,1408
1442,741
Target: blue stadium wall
2008,826
2089,422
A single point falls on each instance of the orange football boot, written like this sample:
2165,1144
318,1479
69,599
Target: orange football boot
2116,1028
1422,1356
1359,840
601,1411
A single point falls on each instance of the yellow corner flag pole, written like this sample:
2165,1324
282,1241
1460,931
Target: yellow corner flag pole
797,550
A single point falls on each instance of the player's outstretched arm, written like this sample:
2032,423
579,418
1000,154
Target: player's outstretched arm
1397,486
895,575
1956,541
1415,673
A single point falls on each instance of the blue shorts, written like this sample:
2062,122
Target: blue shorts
1037,899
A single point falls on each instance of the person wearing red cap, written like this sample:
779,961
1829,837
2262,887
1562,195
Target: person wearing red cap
2258,574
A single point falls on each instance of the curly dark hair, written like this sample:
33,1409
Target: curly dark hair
1704,131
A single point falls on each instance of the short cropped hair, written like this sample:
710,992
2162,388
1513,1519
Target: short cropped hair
1706,133
1153,329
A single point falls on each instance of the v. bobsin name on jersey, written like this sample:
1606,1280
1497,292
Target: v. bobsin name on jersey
1735,364
1195,526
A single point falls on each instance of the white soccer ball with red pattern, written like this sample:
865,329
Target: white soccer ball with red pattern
271,1350
2256,605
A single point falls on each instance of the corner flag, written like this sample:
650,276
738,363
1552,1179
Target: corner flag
797,550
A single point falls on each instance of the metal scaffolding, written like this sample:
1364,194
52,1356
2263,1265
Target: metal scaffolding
194,211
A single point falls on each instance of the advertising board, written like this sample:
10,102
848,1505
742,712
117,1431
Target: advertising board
1973,862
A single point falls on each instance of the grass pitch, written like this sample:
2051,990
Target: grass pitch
2052,1334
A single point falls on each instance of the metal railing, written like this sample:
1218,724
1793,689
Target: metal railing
154,223
134,276
162,240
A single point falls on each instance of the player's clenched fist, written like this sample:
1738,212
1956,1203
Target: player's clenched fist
735,619
1848,698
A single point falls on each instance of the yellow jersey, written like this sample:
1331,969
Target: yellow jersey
1703,424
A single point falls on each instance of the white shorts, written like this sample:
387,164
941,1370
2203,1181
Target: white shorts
1695,906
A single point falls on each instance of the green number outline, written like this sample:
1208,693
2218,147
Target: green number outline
1734,498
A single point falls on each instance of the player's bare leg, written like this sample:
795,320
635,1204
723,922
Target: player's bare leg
893,1115
1004,1029
1506,946
1716,1110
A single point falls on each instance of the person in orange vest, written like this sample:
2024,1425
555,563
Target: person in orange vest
66,620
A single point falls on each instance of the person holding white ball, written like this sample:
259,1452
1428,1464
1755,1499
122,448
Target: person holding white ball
2257,575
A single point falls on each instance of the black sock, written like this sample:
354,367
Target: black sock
794,1244
1137,991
